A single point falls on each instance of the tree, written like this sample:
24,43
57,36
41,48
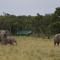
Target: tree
57,12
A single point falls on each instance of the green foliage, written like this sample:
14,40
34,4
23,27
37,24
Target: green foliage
55,27
39,24
57,12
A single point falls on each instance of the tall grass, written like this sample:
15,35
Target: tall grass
30,48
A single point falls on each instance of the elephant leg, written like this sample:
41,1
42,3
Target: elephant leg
55,43
58,43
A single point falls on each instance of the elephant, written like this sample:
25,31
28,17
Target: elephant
5,38
56,39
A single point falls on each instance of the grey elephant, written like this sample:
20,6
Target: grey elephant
56,39
5,38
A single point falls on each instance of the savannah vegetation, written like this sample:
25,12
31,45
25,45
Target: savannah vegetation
32,47
40,25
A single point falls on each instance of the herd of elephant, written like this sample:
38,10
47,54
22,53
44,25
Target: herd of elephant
5,38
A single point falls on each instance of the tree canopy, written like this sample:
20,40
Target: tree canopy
39,24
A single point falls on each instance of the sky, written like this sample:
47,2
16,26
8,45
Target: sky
28,7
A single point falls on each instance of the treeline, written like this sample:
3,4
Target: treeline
39,25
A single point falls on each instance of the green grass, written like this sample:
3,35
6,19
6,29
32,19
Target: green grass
30,48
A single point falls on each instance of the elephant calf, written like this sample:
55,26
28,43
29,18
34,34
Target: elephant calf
57,39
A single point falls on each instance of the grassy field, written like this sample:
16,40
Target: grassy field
30,48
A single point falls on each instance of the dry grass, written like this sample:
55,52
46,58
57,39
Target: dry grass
30,48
